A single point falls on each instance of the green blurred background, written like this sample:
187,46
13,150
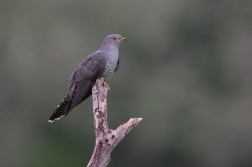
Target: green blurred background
186,69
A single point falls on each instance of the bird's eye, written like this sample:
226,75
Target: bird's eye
114,38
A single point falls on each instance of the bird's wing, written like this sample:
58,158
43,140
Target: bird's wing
74,77
83,78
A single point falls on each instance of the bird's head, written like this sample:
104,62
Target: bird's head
113,40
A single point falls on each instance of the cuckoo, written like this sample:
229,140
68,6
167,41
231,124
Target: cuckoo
101,63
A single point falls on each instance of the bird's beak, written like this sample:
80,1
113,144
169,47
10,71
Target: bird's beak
123,39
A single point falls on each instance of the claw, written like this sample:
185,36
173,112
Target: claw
106,85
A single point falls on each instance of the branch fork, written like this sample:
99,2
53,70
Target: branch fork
106,138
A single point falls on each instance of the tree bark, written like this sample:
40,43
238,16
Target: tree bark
106,138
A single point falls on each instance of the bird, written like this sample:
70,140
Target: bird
101,63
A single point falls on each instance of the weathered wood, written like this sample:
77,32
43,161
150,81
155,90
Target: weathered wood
106,138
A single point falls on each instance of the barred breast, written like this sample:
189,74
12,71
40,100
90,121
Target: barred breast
109,68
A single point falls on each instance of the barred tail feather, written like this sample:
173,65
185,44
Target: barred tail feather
61,109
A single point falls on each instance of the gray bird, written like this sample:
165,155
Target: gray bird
101,63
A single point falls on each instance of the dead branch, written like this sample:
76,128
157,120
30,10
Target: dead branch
106,138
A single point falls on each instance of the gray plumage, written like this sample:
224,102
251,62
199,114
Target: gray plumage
101,63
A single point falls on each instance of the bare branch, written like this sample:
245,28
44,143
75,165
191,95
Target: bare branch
106,138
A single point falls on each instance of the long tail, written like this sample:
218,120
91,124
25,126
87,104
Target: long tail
75,96
62,109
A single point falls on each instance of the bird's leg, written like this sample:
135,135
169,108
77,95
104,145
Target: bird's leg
106,85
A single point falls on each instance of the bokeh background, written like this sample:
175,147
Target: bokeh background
187,70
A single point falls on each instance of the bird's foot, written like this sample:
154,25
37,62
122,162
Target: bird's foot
106,85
